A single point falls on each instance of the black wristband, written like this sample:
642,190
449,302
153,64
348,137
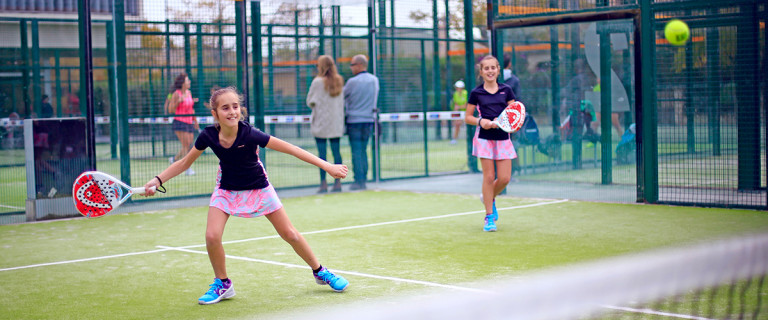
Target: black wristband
479,121
160,188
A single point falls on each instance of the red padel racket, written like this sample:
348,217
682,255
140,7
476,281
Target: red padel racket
97,193
512,118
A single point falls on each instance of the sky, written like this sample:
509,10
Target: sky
354,12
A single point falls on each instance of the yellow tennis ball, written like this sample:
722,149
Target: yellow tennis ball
677,32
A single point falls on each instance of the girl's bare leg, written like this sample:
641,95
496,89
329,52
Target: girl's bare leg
285,229
217,219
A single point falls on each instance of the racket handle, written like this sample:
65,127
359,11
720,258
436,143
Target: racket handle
141,190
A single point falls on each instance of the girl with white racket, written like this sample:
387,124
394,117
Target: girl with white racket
497,108
242,188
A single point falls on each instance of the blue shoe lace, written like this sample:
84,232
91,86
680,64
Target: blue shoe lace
216,285
337,283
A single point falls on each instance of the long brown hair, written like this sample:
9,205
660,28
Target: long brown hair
179,81
326,68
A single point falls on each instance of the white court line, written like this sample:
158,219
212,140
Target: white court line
276,236
11,207
352,273
386,223
82,260
658,313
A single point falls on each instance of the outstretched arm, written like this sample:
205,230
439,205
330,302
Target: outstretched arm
337,171
173,170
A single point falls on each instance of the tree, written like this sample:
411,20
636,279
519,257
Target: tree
479,16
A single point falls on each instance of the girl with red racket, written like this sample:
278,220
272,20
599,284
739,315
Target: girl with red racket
491,144
242,188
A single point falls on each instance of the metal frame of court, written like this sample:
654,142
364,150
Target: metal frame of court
748,17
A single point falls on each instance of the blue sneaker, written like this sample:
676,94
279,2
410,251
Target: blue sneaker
217,292
490,226
337,283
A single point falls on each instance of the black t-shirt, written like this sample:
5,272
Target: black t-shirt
240,166
490,107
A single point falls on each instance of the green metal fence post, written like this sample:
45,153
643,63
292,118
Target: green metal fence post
297,58
258,68
221,52
765,94
424,108
713,87
748,99
111,73
554,69
469,69
376,160
24,67
241,43
321,32
645,105
86,79
435,69
36,81
494,44
118,16
152,112
606,89
270,68
336,31
187,50
690,107
59,93
200,81
448,76
168,77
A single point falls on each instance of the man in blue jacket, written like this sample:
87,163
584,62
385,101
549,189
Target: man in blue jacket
360,95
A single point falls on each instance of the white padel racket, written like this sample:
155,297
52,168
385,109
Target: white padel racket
512,118
97,193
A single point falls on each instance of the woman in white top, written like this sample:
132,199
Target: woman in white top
327,104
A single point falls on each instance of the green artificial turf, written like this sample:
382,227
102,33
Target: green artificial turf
376,234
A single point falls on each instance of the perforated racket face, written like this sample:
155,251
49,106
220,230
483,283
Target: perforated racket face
95,195
513,117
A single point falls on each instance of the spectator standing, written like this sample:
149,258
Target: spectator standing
510,78
327,124
360,96
46,110
459,103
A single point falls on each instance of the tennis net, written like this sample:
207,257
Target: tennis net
716,280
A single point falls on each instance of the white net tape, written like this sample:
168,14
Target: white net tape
585,290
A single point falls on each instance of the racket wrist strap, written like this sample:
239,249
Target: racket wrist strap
160,188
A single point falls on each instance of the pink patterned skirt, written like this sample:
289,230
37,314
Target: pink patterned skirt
245,203
493,149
